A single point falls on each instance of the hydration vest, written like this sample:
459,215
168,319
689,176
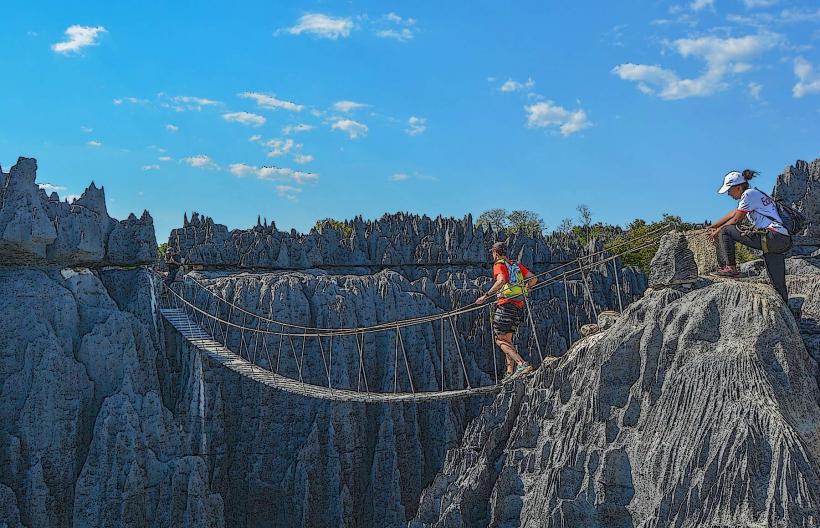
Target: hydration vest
516,287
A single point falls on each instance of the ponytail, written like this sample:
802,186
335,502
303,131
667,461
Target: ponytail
748,174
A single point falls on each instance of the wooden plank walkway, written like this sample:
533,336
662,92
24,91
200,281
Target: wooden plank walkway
217,352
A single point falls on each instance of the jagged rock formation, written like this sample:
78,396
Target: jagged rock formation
694,409
394,240
86,439
673,263
40,229
800,184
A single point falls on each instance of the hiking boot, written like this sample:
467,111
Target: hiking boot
728,272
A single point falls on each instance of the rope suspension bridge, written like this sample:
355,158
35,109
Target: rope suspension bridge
300,359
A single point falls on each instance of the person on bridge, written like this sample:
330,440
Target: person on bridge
767,232
512,280
173,265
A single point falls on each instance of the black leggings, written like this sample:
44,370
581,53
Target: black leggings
774,258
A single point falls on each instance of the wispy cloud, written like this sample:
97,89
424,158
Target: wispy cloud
300,127
131,100
322,26
271,102
165,158
150,167
79,37
86,129
808,79
396,27
289,191
200,161
171,128
399,177
273,173
348,106
94,143
51,188
184,103
723,57
754,90
354,129
699,5
280,147
403,177
546,114
511,85
302,158
416,126
246,118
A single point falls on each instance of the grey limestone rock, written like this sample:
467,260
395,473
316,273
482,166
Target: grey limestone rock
40,229
673,263
694,409
800,185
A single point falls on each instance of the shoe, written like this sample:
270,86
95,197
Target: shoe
726,271
522,370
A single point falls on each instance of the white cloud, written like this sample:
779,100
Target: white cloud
182,103
165,158
547,114
513,86
280,147
86,129
347,106
722,57
416,126
398,28
398,177
254,138
800,15
200,161
301,127
302,158
288,191
354,129
150,167
699,5
402,35
269,101
171,128
78,38
754,90
246,118
132,100
50,188
273,173
94,143
751,4
808,78
322,26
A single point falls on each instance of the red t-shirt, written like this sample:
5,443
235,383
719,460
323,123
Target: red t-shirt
500,269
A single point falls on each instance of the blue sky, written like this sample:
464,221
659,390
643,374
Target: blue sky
301,111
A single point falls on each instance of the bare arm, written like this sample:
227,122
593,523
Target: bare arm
532,280
732,217
499,283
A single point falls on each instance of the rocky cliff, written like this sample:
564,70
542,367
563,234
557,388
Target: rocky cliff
700,406
36,228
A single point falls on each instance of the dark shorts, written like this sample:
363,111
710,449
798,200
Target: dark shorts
506,319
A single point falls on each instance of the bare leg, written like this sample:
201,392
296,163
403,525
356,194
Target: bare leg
504,342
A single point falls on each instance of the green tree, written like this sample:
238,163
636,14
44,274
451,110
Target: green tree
494,218
527,222
345,229
161,249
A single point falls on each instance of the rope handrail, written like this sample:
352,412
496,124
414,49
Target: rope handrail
308,332
312,331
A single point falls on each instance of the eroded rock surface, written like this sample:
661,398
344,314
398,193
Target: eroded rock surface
693,409
36,228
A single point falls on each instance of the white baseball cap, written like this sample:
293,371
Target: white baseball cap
730,180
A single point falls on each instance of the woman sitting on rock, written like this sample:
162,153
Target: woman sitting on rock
767,232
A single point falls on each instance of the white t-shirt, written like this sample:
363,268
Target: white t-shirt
761,210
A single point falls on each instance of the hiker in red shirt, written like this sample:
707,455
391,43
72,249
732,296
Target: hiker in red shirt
511,282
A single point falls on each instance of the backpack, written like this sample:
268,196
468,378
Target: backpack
793,220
